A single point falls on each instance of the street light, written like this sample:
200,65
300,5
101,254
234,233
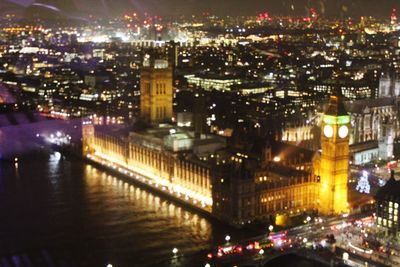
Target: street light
174,250
270,228
261,252
109,265
227,238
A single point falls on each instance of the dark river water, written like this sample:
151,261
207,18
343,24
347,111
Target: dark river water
86,215
90,218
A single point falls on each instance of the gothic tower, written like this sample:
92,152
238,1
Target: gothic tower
156,92
334,164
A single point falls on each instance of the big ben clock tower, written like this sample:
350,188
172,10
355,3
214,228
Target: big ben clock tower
334,164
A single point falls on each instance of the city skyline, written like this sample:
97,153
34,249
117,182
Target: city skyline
135,134
176,8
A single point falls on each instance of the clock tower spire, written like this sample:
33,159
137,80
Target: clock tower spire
334,164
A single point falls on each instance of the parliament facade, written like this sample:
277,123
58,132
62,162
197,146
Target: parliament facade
233,185
266,181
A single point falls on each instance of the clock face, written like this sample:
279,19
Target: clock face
343,131
328,131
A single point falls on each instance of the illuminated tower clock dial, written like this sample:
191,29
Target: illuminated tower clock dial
343,131
328,131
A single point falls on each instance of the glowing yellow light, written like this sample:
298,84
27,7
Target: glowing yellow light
277,159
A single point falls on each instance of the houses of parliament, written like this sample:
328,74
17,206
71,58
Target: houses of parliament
236,184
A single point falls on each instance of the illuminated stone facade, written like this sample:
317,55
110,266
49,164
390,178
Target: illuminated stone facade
372,120
253,188
156,92
232,186
236,184
169,165
375,120
333,166
305,135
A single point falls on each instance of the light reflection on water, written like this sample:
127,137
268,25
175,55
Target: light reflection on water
83,213
143,202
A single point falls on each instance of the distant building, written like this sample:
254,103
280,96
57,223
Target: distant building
362,153
252,88
375,120
388,206
389,86
351,89
217,82
96,80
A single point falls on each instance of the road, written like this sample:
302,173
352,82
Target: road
306,240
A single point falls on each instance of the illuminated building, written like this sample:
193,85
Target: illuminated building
268,185
156,91
165,156
388,206
237,187
333,166
375,120
238,184
389,86
363,153
303,135
374,128
252,88
210,82
351,89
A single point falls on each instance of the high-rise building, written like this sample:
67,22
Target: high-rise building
388,207
156,92
334,163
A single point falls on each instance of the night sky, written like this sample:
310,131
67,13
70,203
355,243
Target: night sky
343,8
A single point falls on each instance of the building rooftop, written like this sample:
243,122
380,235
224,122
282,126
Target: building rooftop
358,147
287,151
359,106
171,137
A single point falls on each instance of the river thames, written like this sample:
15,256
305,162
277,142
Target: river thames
81,213
87,217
